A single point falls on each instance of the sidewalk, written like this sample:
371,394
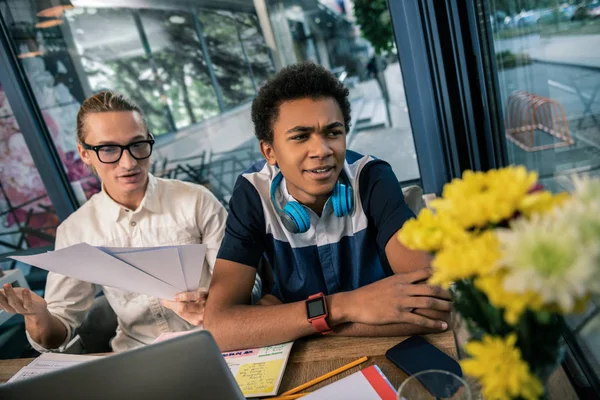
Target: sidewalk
393,144
582,50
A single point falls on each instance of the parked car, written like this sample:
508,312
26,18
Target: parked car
591,11
594,10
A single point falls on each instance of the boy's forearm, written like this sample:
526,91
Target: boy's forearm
354,329
244,326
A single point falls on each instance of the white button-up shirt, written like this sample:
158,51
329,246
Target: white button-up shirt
171,213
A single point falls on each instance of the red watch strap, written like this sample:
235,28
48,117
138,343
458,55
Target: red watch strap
321,325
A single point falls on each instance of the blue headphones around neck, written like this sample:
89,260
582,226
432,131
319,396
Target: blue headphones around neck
294,216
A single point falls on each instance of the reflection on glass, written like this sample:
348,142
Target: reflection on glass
549,75
226,54
434,385
255,47
27,218
183,72
548,68
112,56
53,76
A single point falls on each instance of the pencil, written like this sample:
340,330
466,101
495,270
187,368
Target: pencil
290,397
327,375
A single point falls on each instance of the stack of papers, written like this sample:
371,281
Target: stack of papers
155,271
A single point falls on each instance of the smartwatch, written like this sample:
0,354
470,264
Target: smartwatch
316,312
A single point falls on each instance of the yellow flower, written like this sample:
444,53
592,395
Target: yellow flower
466,259
541,202
514,304
483,198
496,362
430,232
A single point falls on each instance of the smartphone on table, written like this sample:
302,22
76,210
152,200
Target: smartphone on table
416,354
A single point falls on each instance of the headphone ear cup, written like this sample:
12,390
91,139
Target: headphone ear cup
299,215
349,199
342,200
335,201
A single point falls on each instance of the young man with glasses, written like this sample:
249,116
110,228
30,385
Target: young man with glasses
134,209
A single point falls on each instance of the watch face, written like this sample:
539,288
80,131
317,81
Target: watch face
315,308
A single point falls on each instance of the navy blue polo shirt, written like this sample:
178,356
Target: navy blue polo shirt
335,254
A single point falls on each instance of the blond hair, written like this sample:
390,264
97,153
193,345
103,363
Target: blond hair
105,101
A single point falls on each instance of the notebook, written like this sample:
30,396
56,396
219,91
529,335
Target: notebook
366,384
259,371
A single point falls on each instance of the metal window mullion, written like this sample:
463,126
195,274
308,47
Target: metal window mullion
211,71
467,121
496,141
148,52
250,71
35,132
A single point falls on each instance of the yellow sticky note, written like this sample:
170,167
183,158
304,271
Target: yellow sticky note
258,377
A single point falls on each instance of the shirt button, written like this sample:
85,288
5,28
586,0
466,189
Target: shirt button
133,223
158,315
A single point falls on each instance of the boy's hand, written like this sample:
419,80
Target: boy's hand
392,300
189,306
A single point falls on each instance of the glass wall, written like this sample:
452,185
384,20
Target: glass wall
365,59
193,72
27,217
180,66
549,75
548,70
222,33
253,44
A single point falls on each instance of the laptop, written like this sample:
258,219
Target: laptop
187,367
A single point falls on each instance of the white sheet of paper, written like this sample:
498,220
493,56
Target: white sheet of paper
192,262
49,362
358,386
87,263
191,259
162,263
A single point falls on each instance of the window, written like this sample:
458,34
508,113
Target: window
255,47
180,65
329,34
110,45
225,48
27,217
548,70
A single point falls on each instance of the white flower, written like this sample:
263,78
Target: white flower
546,254
587,190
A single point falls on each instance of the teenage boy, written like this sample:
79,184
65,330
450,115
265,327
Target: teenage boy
326,221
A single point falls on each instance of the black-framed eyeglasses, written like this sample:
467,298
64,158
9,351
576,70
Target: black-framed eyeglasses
112,153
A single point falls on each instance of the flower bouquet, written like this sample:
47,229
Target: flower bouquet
517,259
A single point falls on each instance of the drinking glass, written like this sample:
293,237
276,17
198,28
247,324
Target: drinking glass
434,385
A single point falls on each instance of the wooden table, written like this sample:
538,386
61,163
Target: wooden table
313,357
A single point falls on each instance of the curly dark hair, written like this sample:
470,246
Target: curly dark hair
291,83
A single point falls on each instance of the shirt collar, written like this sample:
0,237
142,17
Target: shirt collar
287,197
150,202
